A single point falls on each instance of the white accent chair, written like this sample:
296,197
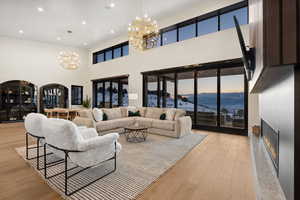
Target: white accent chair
83,147
33,125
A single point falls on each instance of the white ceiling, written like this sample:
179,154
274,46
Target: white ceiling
62,15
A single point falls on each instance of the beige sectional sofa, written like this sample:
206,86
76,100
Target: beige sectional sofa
176,125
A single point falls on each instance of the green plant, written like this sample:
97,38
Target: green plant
87,102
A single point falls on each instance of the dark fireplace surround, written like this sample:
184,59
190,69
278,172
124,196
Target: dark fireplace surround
270,139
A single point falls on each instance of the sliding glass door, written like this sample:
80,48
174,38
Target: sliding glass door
185,92
123,92
215,97
232,98
110,93
207,97
152,91
168,90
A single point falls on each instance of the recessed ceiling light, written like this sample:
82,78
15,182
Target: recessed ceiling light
40,9
83,22
85,44
110,5
112,31
58,38
21,31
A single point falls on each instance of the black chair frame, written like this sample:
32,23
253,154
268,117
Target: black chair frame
37,147
65,172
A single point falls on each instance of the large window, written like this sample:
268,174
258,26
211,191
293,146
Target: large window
169,37
207,26
110,92
208,23
124,92
168,90
53,96
226,19
232,98
187,32
76,95
207,97
185,94
214,95
110,53
152,91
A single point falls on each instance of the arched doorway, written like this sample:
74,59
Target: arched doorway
53,96
17,99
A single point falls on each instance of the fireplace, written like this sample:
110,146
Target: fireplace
270,139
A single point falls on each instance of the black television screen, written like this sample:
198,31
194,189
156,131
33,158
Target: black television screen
247,58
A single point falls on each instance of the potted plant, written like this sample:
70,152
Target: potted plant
87,102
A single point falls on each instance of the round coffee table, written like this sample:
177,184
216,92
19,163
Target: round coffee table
136,133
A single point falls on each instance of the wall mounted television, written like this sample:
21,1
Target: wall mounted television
248,54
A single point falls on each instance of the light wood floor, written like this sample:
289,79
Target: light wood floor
217,169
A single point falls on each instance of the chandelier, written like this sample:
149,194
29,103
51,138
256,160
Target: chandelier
69,60
143,33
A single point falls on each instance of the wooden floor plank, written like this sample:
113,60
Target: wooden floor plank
219,168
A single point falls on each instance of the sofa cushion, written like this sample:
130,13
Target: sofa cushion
134,114
162,116
98,114
154,113
86,113
179,113
142,111
142,121
163,124
113,113
114,124
123,111
170,113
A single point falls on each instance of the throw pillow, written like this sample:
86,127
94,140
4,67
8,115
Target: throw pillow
98,114
134,114
162,116
170,113
105,118
131,109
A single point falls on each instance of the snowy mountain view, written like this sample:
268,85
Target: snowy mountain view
207,102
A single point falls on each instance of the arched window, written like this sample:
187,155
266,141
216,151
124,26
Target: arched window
53,96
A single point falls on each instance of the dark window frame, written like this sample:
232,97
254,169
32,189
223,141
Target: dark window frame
206,66
121,45
105,81
73,101
196,20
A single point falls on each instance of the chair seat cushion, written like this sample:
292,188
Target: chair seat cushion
163,124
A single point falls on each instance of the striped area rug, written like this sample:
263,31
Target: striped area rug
138,165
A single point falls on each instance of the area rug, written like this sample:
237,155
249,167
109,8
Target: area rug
138,165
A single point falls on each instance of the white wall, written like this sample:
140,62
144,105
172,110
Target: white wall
208,48
37,63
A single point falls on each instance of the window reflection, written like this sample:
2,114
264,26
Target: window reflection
226,20
208,26
187,32
169,37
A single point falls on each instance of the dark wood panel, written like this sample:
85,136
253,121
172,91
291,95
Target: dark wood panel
272,32
298,31
289,31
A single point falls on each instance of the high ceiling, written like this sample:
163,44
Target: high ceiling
24,19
